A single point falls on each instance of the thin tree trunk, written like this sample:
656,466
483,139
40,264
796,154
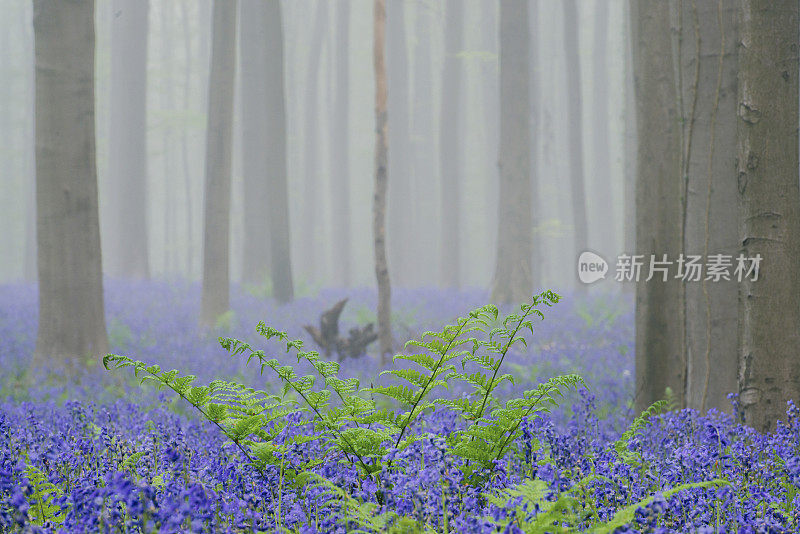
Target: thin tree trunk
660,362
512,275
449,154
575,127
379,202
537,256
709,76
71,317
340,149
187,172
218,164
629,188
491,114
769,211
279,235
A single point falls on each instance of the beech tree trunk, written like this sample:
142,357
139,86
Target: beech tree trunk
709,78
379,201
660,363
71,319
215,299
769,211
127,254
449,154
512,275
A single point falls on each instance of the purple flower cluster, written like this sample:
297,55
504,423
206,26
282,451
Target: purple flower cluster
100,455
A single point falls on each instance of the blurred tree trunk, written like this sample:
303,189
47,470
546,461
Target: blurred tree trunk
71,317
512,276
275,148
537,256
769,211
218,164
449,153
491,114
29,142
660,362
254,122
708,75
187,172
423,220
126,247
630,143
340,149
311,200
379,202
601,178
398,78
575,127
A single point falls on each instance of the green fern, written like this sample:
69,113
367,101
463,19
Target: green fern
621,445
41,500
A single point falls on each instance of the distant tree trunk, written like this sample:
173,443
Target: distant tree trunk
340,149
379,202
275,148
512,275
398,78
536,241
449,154
424,222
769,211
575,127
253,62
187,173
491,114
167,155
660,363
629,187
218,163
601,133
71,320
127,254
709,74
311,200
29,137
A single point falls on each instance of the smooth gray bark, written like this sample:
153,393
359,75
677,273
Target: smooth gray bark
660,362
769,210
215,297
71,318
512,276
708,160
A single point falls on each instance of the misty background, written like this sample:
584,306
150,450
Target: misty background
443,108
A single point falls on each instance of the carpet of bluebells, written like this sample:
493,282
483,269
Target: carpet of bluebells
104,454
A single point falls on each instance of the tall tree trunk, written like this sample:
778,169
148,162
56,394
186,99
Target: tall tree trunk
379,201
275,148
491,114
575,127
311,200
536,242
254,123
340,149
630,143
218,164
660,363
605,235
449,154
29,151
709,74
126,248
769,210
512,275
398,74
71,319
187,172
424,221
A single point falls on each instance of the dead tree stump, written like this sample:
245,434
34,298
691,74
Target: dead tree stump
327,335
